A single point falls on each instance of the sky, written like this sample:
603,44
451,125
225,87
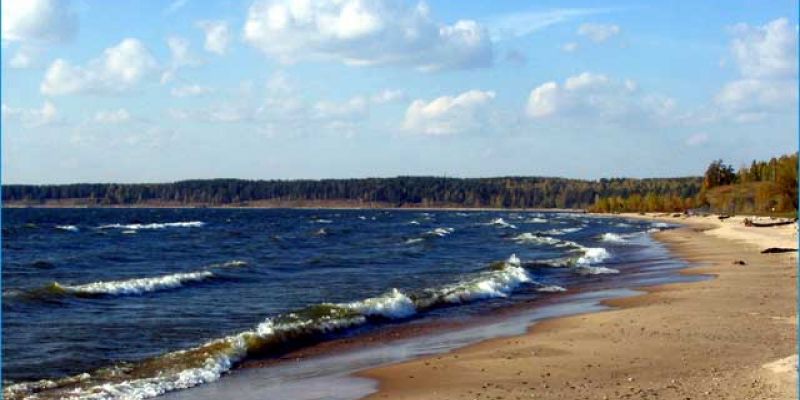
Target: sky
159,91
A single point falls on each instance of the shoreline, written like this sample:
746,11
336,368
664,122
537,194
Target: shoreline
290,206
660,343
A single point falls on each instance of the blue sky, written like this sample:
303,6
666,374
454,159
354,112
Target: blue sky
124,91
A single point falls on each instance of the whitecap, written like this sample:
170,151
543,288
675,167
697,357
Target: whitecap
500,222
136,285
155,225
551,289
69,228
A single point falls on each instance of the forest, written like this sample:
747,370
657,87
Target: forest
404,191
762,187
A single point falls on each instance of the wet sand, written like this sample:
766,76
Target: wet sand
732,337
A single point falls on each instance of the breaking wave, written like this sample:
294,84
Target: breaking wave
500,222
68,228
209,361
155,225
135,286
440,232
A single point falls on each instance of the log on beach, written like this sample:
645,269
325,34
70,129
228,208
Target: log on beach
749,222
773,250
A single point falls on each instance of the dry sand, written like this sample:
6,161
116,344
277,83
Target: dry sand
731,337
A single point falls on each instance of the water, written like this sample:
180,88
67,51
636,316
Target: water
140,302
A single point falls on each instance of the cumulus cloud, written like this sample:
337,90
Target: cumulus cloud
766,57
31,117
358,32
217,34
38,21
590,96
448,115
190,90
111,117
118,69
598,33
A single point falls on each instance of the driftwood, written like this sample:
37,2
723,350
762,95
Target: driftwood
773,250
749,222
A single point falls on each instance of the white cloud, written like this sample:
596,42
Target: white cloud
175,6
357,32
596,97
388,96
766,57
598,33
181,56
118,69
190,90
24,57
448,115
356,106
569,47
520,24
38,21
31,117
112,116
697,139
218,36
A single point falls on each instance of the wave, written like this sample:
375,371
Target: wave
414,240
135,286
322,221
551,289
589,270
536,220
614,237
500,222
155,225
563,231
209,361
440,232
68,228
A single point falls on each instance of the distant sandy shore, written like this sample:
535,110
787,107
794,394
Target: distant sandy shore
731,337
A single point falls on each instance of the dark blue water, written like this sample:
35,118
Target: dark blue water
96,288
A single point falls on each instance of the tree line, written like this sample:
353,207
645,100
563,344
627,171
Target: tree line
762,187
403,191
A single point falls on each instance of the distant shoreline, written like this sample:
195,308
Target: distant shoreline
283,205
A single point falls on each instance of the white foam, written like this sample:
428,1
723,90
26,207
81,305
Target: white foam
441,232
323,221
393,304
138,285
593,255
155,225
613,237
528,237
414,240
536,220
660,225
551,289
588,270
413,222
500,222
562,231
70,228
498,283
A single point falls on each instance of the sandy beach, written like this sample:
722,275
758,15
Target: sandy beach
730,337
